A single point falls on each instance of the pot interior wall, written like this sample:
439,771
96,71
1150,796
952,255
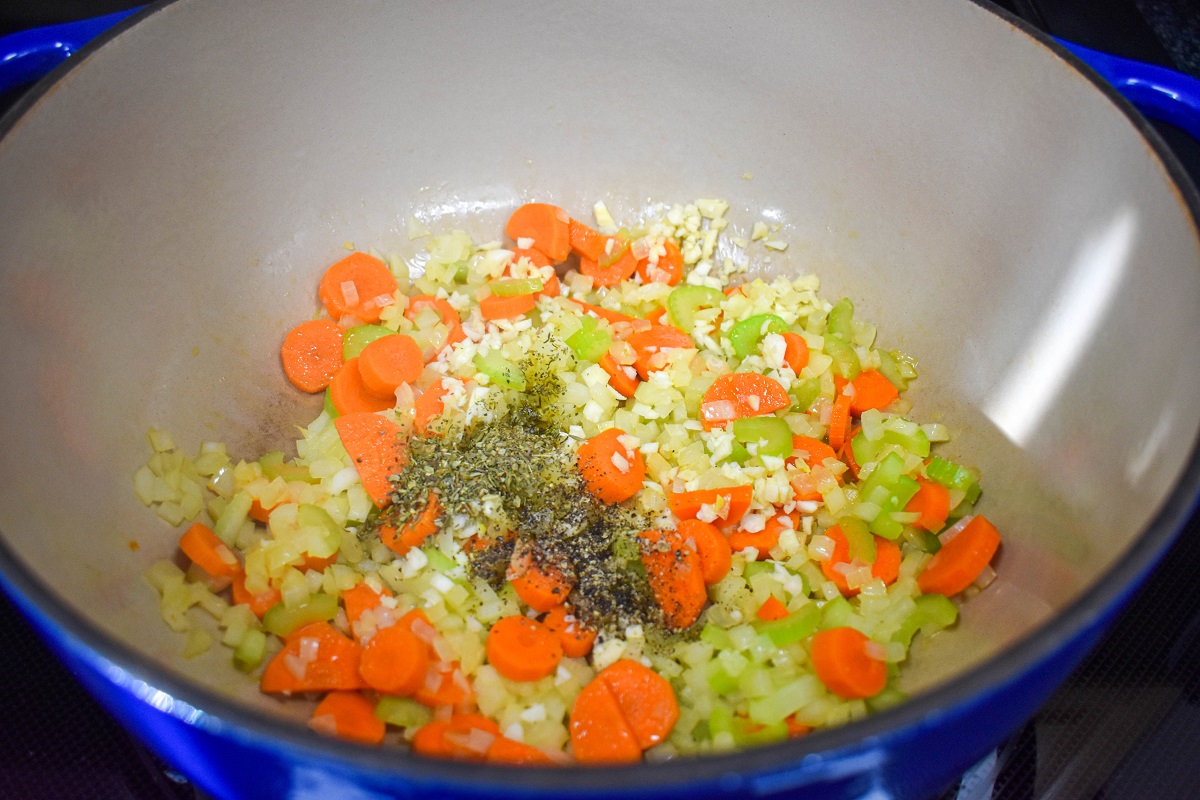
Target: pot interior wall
169,205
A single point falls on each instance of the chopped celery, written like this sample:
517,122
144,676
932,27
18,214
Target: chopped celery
716,636
511,287
273,466
250,650
755,567
749,733
862,543
591,341
355,339
890,696
720,719
719,680
232,516
835,613
806,392
329,532
501,371
330,408
841,320
771,434
755,681
950,475
793,628
684,301
780,704
439,560
281,620
907,434
845,359
745,335
738,455
933,612
403,712
889,367
898,495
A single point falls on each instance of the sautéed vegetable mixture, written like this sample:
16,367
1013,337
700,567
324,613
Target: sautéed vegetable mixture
581,495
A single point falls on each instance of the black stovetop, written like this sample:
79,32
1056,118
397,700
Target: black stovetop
1125,725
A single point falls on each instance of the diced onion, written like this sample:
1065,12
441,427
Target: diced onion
985,577
350,293
948,534
324,723
876,650
423,630
718,411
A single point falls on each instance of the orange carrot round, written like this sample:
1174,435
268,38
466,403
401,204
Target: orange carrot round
932,502
617,263
451,686
541,586
840,659
259,603
650,343
886,566
377,448
429,406
510,751
796,353
871,391
350,394
312,354
359,285
333,666
394,661
668,270
352,717
675,575
645,699
388,362
550,285
359,599
585,241
576,639
767,538
449,738
208,552
839,421
546,225
415,532
716,555
612,471
518,305
812,451
522,649
771,609
741,394
730,503
960,561
450,317
624,383
600,734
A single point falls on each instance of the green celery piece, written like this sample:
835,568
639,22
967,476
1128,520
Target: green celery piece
899,493
719,680
865,451
502,371
250,651
772,434
889,470
684,301
933,612
972,493
720,719
355,339
274,466
439,560
745,335
511,287
949,474
403,712
330,409
590,342
845,359
755,567
739,455
835,613
717,637
281,620
747,733
907,434
311,516
889,368
841,320
795,627
805,392
862,543
889,697
784,701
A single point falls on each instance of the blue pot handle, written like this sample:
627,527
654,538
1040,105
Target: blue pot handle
1157,92
29,55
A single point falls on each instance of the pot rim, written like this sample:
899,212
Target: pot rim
819,752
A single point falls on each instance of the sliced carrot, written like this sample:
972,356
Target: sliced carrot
457,737
847,452
617,263
741,394
351,717
624,383
416,531
394,661
312,354
429,406
510,751
840,659
771,609
259,603
450,317
730,503
611,471
547,225
796,728
359,285
605,314
317,563
932,502
208,552
839,421
576,639
668,270
550,285
258,513
333,666
541,586
796,353
445,685
377,448
585,241
886,566
522,649
716,556
872,391
600,734
359,599
388,362
645,698
350,394
812,451
960,561
650,343
656,316
518,305
675,575
767,538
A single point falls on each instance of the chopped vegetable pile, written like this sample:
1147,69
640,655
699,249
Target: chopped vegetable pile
582,496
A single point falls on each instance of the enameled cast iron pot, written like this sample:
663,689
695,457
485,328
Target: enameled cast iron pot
168,201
